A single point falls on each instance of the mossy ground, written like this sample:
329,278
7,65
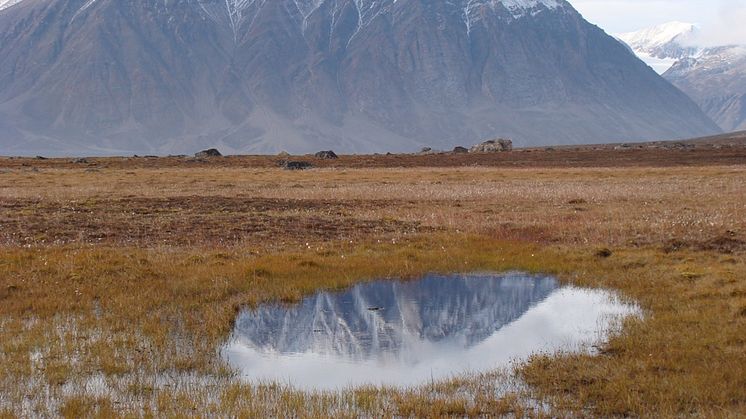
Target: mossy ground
114,324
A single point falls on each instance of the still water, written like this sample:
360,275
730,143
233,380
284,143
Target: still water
409,333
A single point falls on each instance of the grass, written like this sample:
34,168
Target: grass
129,322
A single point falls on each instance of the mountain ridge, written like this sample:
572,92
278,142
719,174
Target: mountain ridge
716,80
356,76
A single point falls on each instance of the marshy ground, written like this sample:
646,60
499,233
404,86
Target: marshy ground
120,278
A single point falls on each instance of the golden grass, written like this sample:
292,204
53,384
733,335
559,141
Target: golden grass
88,329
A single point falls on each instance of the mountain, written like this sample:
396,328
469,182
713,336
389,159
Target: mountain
173,76
662,45
716,79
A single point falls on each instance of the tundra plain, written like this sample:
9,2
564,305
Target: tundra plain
121,277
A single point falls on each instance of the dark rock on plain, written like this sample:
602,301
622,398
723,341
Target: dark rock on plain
326,155
208,153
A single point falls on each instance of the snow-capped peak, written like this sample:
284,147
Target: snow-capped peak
4,4
662,45
654,40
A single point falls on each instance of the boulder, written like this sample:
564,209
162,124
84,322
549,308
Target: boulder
297,165
460,150
497,145
213,152
326,155
283,154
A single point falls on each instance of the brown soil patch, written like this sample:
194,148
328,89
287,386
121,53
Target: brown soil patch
189,221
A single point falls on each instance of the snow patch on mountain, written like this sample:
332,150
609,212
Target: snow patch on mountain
666,45
4,4
653,39
663,45
474,10
713,76
517,8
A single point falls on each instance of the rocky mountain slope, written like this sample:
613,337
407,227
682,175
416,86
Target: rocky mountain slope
716,80
173,76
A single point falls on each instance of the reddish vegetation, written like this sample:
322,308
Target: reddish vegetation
693,153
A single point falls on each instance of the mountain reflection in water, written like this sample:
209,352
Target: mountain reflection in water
405,333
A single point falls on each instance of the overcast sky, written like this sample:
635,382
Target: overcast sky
630,15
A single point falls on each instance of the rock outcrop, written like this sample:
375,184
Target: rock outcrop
498,145
212,152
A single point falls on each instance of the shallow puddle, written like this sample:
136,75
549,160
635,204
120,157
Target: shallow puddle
409,333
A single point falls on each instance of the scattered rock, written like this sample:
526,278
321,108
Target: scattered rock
326,155
577,201
426,150
460,150
41,158
80,161
213,152
297,165
493,146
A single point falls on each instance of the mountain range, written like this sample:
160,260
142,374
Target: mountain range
260,76
713,76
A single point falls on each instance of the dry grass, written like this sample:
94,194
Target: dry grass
131,323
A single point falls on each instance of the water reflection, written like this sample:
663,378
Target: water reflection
407,333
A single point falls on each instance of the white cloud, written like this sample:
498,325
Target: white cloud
728,28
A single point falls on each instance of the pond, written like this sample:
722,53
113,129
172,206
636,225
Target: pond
405,333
